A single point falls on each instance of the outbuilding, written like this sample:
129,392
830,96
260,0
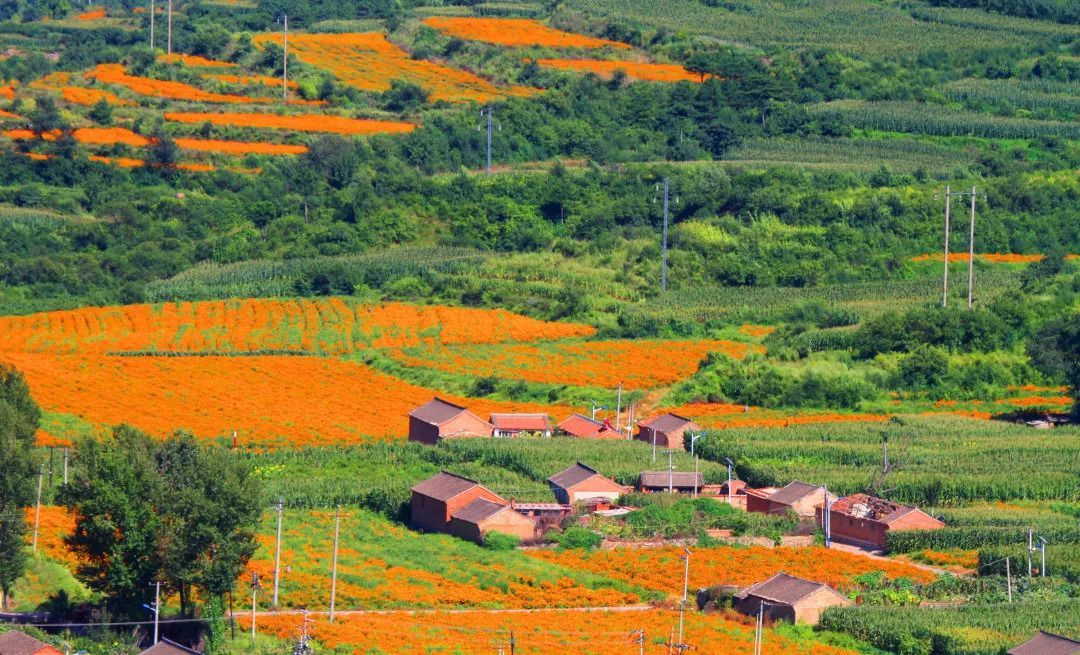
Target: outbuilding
482,517
581,482
785,597
666,431
511,425
674,481
1045,643
436,499
167,647
865,521
799,497
15,642
439,419
583,427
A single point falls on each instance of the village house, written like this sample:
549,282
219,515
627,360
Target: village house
666,431
787,598
544,515
675,481
583,427
581,482
476,520
1044,643
511,425
799,497
863,520
435,500
438,419
20,643
166,647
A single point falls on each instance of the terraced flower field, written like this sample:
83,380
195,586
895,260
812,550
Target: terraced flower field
634,70
516,32
293,122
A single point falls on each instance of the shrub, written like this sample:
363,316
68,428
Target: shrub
501,541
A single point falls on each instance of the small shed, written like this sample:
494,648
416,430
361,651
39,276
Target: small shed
481,517
675,481
583,427
15,642
864,520
666,431
544,515
436,499
167,647
511,425
799,497
439,419
785,597
1045,643
581,482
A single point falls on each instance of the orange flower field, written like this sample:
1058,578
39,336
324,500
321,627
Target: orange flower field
544,632
8,114
368,61
55,524
991,258
633,69
515,32
757,331
145,86
637,364
733,565
194,61
1036,401
724,421
7,92
107,136
78,95
299,123
95,14
268,400
334,326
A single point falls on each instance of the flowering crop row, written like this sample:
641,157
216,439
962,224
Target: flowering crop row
543,632
107,136
194,61
7,92
368,61
94,14
635,70
298,123
515,32
757,331
638,364
991,258
267,400
8,114
652,568
333,326
145,86
725,421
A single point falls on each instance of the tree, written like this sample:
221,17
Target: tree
45,117
1055,351
174,510
164,152
102,112
19,418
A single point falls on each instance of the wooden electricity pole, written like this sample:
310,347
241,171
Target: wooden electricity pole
945,281
333,573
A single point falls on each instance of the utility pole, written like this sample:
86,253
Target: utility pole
697,473
730,465
1029,549
618,409
513,643
65,465
285,59
884,453
595,408
759,632
333,573
826,519
151,24
1008,577
670,470
1042,553
157,608
685,585
945,282
971,253
37,506
663,256
168,42
489,125
654,446
277,550
254,590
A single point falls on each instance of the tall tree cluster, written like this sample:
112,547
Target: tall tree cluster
19,418
148,510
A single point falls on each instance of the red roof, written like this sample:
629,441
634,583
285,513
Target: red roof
578,425
521,422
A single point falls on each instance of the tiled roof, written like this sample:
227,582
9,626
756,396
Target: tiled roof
573,476
166,647
522,422
863,506
19,643
542,507
785,589
437,411
657,479
477,511
444,486
1044,643
793,492
580,426
666,422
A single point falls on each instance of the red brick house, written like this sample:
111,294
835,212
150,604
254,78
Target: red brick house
864,520
678,482
581,482
799,497
20,643
784,597
435,500
583,427
511,425
438,419
481,517
666,431
1044,643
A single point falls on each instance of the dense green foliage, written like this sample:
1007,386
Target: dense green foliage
174,511
19,418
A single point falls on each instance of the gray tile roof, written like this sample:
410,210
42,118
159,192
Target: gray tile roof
573,476
477,511
437,411
793,493
655,479
666,422
1044,643
166,647
785,589
444,486
19,643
